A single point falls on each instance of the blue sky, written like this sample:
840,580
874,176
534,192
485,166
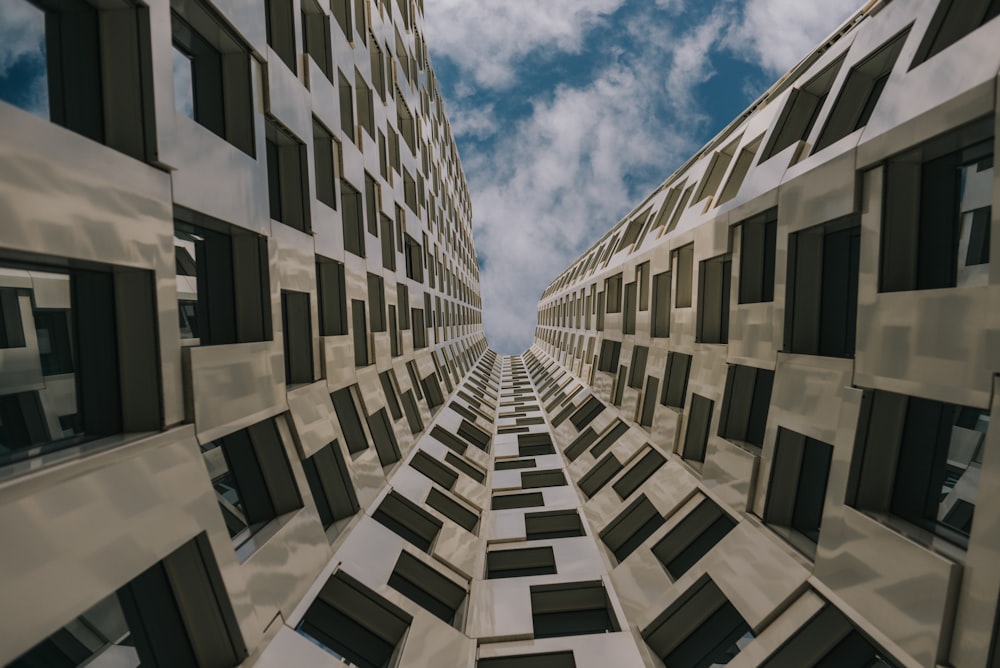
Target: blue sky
568,112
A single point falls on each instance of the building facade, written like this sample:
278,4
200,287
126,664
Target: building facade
248,415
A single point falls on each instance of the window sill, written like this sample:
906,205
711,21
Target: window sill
802,544
256,541
922,537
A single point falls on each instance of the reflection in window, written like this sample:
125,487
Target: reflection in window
183,82
24,80
38,389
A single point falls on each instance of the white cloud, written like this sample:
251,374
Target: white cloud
547,187
779,33
485,38
22,33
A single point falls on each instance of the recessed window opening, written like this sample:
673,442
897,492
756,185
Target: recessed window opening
758,243
801,111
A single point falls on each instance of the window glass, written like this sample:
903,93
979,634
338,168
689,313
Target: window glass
24,81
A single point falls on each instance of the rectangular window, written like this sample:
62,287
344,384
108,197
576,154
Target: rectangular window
613,292
465,467
330,483
649,401
342,13
801,111
376,302
704,525
404,121
800,469
414,259
407,520
513,464
571,609
434,469
388,382
296,320
552,524
861,91
638,473
350,419
353,623
388,244
331,288
701,629
64,379
252,479
384,437
544,478
520,563
676,374
511,501
547,660
949,194
419,329
288,191
638,368
714,277
660,320
630,529
596,478
696,433
642,278
617,429
744,161
366,105
346,99
352,216
146,621
952,21
757,250
280,24
829,639
403,300
362,352
628,317
378,71
453,510
610,354
682,260
745,404
326,160
316,36
223,287
919,459
588,410
426,587
373,204
822,306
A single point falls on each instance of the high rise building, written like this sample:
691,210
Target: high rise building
249,417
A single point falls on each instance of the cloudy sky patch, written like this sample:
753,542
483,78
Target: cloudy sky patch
568,112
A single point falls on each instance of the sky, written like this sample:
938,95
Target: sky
567,113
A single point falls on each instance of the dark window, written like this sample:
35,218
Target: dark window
316,36
330,484
919,459
552,524
366,105
543,478
280,24
426,587
580,444
649,401
520,563
701,629
403,300
860,93
570,609
691,538
948,193
325,158
683,262
660,320
630,529
822,306
388,382
252,479
354,623
613,292
800,468
297,324
346,99
65,380
696,435
589,410
434,469
288,189
828,639
757,250
602,472
638,367
475,435
342,12
352,219
617,429
610,353
800,113
146,621
388,244
639,473
953,20
362,352
513,464
222,282
628,317
212,80
350,419
465,467
745,404
509,501
713,299
547,660
453,510
407,520
384,437
332,290
376,302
